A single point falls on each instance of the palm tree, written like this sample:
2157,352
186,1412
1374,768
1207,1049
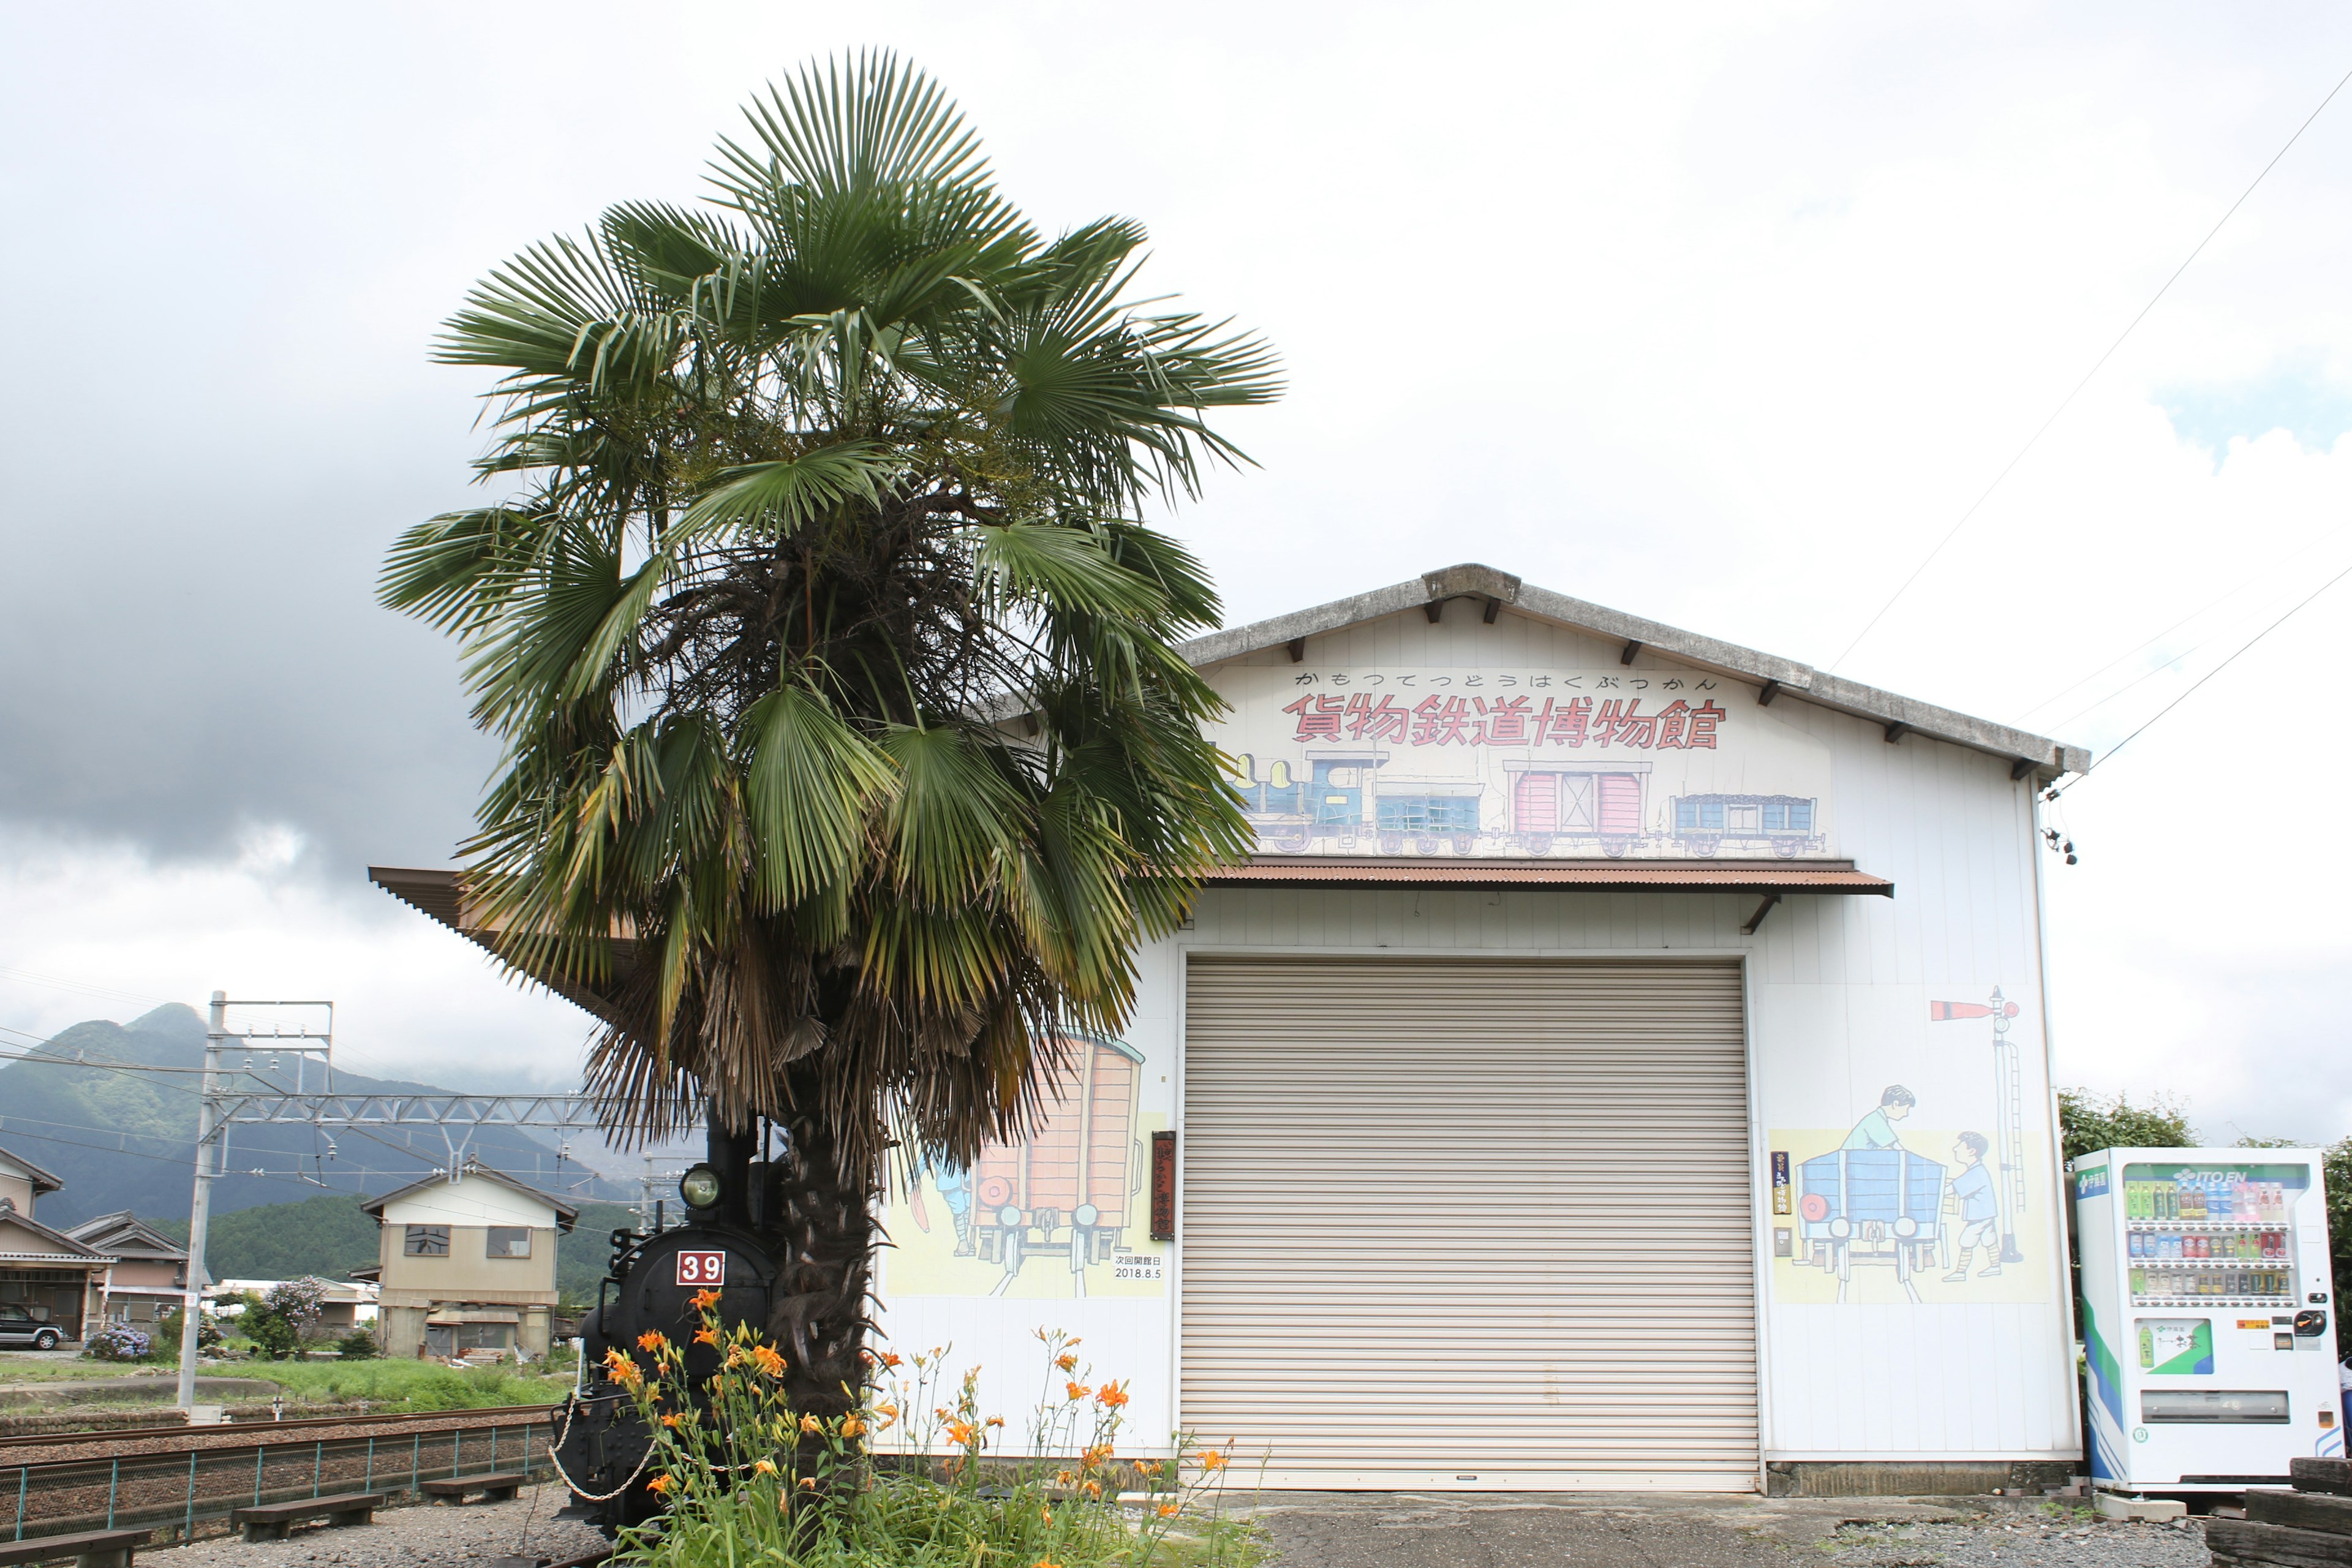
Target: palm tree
847,757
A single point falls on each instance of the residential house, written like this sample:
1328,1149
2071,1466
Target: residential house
467,1263
150,1277
347,1305
61,1280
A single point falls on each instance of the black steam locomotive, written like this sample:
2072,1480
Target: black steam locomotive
601,1444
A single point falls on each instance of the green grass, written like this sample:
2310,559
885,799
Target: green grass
409,1385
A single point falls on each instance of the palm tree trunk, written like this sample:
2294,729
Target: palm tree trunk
825,1228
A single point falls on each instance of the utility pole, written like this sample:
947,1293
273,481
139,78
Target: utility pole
216,1110
200,1205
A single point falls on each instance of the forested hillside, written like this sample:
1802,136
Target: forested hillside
125,1139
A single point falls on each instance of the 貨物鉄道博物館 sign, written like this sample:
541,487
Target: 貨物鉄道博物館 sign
1518,763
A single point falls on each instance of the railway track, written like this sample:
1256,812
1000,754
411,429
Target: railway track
171,1479
179,1434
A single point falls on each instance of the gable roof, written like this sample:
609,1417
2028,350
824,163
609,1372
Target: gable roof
68,1249
125,1235
564,1213
42,1181
2044,759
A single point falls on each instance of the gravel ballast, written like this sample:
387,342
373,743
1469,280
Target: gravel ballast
1995,1542
432,1535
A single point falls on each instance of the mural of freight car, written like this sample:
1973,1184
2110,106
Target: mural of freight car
1070,1188
1870,1207
1290,813
1428,815
1552,803
1706,825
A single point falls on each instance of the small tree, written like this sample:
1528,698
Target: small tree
2086,1122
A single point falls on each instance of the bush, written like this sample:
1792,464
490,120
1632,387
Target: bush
117,1341
167,1334
745,1478
358,1345
274,1338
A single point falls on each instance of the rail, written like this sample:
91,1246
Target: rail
10,1442
174,1490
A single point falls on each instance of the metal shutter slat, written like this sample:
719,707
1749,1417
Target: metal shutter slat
1469,1215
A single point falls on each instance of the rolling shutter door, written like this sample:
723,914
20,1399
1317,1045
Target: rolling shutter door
1469,1220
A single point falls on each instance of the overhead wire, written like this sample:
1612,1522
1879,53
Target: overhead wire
2067,402
2058,794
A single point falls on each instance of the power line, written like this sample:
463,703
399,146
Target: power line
2201,679
2068,400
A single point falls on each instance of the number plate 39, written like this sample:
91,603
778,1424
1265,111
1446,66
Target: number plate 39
704,1269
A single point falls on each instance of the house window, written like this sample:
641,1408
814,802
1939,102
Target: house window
510,1241
427,1241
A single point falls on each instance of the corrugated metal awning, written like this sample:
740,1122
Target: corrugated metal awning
1685,876
451,1319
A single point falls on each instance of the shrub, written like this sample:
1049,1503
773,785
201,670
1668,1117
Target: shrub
117,1341
746,1479
168,1328
274,1337
358,1345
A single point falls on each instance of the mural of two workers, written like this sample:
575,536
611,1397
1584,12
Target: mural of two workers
1062,1214
1890,1210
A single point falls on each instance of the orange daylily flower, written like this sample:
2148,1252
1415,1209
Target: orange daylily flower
889,1413
1110,1396
961,1433
767,1361
660,1484
764,1467
651,1340
890,1358
851,1426
996,1421
809,1482
673,1420
1067,1361
810,1424
706,1336
1079,1391
623,1369
1167,1511
1092,1489
1213,1460
1063,1478
703,1301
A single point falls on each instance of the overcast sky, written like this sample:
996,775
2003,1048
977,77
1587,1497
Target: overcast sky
1721,316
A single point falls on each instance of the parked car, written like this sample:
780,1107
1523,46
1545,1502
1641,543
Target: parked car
19,1328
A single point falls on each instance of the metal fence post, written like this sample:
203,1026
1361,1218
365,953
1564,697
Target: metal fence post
113,1483
369,1484
188,1528
415,1452
456,1447
494,1448
318,1457
259,1450
24,1474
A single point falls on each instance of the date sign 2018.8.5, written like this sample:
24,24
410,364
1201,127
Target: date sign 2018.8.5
702,1269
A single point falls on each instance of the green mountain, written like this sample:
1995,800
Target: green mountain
124,1139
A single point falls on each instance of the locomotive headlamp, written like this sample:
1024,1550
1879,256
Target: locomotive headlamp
700,1187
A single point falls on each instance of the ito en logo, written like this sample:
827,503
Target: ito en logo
2091,1183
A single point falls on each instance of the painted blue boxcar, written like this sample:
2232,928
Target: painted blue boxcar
1871,1206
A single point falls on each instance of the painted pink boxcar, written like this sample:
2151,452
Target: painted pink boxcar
1552,803
1067,1189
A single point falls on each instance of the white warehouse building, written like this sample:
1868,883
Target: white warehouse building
1625,1064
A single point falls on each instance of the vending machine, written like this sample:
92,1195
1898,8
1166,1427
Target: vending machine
2206,1316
